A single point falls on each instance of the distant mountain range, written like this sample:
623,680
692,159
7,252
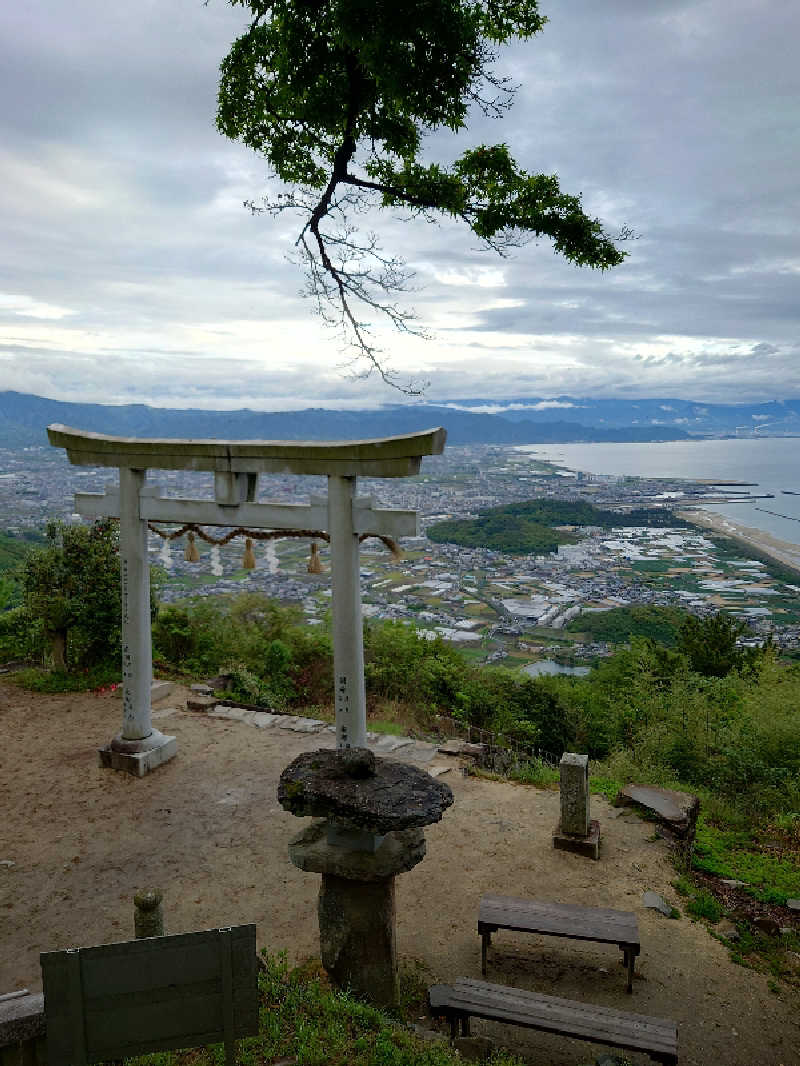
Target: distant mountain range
24,418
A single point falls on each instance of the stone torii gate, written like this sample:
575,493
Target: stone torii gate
139,748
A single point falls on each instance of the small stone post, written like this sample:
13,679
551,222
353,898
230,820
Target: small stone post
148,915
576,832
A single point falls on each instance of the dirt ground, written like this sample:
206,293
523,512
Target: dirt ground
207,830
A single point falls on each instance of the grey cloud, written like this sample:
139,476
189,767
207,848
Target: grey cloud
122,203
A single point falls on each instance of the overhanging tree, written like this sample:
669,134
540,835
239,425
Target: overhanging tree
338,95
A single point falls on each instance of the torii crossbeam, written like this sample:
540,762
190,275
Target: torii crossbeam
139,748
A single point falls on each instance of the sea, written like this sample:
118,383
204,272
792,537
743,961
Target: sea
771,464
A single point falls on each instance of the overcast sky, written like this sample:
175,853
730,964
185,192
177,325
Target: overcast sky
130,271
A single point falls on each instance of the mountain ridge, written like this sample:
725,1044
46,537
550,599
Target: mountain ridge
565,419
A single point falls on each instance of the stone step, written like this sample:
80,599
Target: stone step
386,745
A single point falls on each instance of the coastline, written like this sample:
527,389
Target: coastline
781,551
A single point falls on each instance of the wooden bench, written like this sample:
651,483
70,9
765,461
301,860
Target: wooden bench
600,924
657,1037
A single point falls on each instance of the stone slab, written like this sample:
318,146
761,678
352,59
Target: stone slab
677,810
201,703
21,1018
299,724
356,788
139,763
159,690
310,850
588,845
263,719
654,902
388,744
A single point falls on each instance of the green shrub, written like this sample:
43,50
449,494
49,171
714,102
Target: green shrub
71,594
17,635
704,905
36,679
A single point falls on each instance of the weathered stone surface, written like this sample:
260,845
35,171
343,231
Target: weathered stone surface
311,850
395,797
21,1018
574,769
263,719
793,904
138,757
159,690
588,845
677,810
357,936
474,1048
732,882
201,688
357,762
654,902
201,703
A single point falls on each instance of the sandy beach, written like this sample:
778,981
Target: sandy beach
780,550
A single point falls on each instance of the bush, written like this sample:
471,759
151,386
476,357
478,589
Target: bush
704,905
71,594
277,660
16,635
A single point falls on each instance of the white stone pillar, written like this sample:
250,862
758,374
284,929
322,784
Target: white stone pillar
348,641
139,748
137,652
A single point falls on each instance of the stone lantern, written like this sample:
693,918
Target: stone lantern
369,818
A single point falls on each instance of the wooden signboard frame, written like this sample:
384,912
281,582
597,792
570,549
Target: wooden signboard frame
158,994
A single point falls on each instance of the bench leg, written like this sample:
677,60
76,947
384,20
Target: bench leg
465,1025
486,939
453,1019
629,960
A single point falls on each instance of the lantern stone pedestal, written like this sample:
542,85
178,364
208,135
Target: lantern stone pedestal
371,830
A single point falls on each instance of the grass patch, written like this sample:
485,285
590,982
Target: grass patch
605,786
537,773
303,1020
395,729
733,853
37,679
774,955
704,905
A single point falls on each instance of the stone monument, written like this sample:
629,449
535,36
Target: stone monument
576,831
369,817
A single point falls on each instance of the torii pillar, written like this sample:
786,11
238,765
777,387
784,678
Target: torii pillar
139,748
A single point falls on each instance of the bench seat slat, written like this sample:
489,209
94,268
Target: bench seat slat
558,1009
636,1032
559,919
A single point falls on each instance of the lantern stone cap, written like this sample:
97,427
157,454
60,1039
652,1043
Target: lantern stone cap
379,457
379,795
